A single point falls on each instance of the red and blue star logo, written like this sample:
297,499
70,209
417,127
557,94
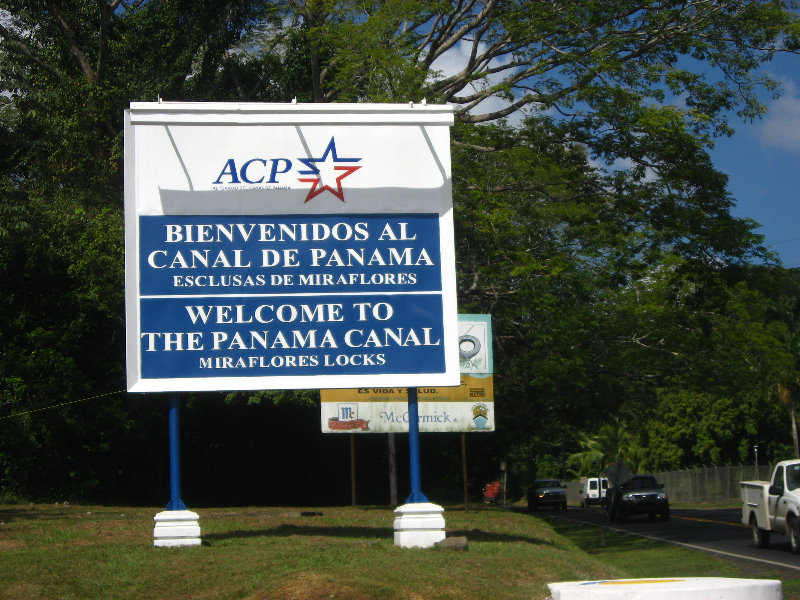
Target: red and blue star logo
326,173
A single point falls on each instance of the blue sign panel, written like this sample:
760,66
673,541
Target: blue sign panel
324,254
256,296
291,335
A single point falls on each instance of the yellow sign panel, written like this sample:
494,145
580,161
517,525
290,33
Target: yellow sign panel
473,387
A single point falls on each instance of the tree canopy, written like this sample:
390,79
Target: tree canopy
591,222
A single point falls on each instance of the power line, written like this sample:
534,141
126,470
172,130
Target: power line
27,412
773,242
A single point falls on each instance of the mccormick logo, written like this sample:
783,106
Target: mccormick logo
346,418
325,174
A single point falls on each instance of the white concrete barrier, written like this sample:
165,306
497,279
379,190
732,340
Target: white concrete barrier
418,525
675,588
176,528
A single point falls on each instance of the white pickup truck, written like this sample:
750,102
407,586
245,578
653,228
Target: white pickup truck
774,506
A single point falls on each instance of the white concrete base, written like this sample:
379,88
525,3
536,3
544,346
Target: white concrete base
176,528
418,525
678,588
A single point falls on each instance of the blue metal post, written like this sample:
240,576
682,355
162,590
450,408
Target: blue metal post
175,502
413,448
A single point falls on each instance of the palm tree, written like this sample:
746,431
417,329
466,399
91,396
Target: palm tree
611,443
586,463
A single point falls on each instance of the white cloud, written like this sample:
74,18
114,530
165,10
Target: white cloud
621,164
452,60
6,19
455,59
781,127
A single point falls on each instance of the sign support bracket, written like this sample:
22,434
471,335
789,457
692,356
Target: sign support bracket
175,526
419,523
175,502
413,449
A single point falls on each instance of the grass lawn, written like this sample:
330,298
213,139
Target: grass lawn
91,552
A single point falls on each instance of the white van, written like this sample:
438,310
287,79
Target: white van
594,491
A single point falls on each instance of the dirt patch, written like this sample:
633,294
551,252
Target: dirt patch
311,586
11,545
22,589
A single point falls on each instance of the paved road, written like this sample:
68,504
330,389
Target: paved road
712,530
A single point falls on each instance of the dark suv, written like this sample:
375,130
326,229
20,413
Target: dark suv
640,495
547,492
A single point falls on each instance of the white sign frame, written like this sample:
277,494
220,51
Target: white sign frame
245,163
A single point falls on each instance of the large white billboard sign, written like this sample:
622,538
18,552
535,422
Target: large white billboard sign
286,246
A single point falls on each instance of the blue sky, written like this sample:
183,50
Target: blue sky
762,160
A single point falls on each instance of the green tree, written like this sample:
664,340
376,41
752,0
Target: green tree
596,308
782,288
68,69
611,443
714,412
552,54
596,230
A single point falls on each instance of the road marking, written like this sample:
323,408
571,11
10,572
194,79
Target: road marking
674,516
773,563
684,544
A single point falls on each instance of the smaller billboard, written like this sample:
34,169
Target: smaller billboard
467,407
463,408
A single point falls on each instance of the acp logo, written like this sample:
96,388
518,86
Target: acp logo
325,174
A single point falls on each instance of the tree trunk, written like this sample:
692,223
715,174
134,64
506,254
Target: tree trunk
315,75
